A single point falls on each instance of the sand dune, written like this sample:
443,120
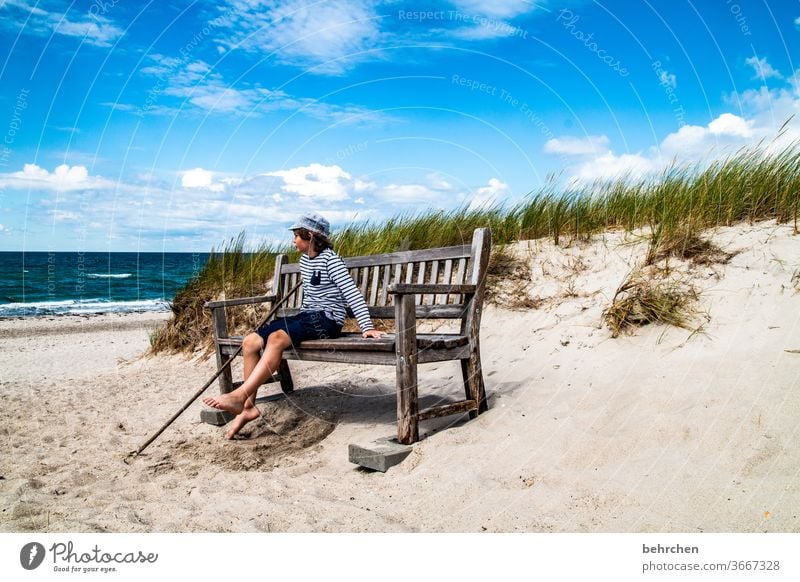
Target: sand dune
662,430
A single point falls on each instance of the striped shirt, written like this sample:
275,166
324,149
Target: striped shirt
328,287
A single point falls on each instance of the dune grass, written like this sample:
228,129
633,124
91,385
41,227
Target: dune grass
675,207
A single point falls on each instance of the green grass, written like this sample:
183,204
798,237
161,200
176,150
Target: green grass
676,207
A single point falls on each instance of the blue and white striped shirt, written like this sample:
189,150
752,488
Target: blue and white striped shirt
328,287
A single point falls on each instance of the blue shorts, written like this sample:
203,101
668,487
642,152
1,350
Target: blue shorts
306,325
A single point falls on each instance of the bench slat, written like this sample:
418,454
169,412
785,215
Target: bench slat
409,256
373,287
450,311
387,272
364,281
355,342
433,280
420,280
447,409
448,273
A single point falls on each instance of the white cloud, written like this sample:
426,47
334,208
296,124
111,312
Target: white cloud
576,146
610,166
63,178
487,195
329,37
204,88
99,31
329,183
200,178
694,144
95,30
797,21
763,70
729,124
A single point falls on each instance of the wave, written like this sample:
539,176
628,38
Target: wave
108,275
81,307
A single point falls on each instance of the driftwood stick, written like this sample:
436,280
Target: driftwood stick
133,454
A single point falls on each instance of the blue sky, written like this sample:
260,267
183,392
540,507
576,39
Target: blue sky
173,126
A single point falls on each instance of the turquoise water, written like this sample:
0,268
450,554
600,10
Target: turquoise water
64,283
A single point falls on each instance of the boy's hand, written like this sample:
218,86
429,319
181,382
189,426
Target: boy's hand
373,333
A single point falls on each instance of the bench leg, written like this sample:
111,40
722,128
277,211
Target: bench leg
474,388
226,378
287,384
407,406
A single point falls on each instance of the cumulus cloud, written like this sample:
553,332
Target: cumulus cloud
200,178
763,70
63,178
487,195
329,183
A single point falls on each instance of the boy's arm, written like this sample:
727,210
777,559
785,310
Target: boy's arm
337,271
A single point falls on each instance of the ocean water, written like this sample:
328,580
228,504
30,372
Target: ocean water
64,283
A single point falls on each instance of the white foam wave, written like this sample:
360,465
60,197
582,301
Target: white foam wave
108,275
81,307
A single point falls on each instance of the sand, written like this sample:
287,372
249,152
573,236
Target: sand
661,430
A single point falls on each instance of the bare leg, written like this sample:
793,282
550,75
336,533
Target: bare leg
243,397
252,345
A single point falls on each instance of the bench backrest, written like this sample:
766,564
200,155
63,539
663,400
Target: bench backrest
373,274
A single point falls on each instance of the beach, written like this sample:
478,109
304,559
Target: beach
660,430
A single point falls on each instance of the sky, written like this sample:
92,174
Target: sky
155,126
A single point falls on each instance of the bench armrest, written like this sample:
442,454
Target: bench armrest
239,301
422,288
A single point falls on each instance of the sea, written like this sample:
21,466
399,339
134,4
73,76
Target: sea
79,283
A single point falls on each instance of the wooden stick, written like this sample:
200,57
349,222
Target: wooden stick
133,454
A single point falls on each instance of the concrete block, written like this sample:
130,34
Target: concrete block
380,454
215,417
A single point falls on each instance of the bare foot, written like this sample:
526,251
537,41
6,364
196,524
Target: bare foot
242,419
230,402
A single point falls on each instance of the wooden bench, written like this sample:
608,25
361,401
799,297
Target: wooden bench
407,286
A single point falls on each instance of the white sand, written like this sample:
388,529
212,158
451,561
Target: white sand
659,431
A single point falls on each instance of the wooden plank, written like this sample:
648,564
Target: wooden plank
289,268
433,279
409,272
407,424
280,265
361,356
420,279
351,342
355,342
447,409
387,273
462,269
373,287
367,358
451,311
448,273
294,301
364,281
404,288
436,254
